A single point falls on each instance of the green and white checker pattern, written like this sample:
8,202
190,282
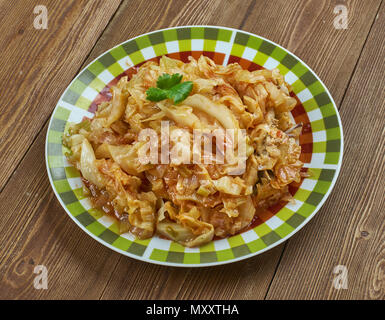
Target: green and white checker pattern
320,108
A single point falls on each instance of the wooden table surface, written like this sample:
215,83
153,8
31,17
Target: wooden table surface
37,66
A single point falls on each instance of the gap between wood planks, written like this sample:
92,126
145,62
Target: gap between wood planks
276,268
248,11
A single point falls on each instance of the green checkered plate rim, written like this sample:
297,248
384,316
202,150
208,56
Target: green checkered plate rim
321,141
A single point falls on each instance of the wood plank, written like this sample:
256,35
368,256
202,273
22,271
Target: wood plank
126,25
147,281
37,65
92,270
306,29
350,229
34,230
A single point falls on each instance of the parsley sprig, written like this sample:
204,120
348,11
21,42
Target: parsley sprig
170,87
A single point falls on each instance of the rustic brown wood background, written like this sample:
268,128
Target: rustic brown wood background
37,66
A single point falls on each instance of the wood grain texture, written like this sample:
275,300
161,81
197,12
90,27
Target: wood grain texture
32,235
37,65
306,29
350,229
164,14
34,229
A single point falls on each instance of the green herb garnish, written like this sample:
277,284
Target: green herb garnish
170,87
